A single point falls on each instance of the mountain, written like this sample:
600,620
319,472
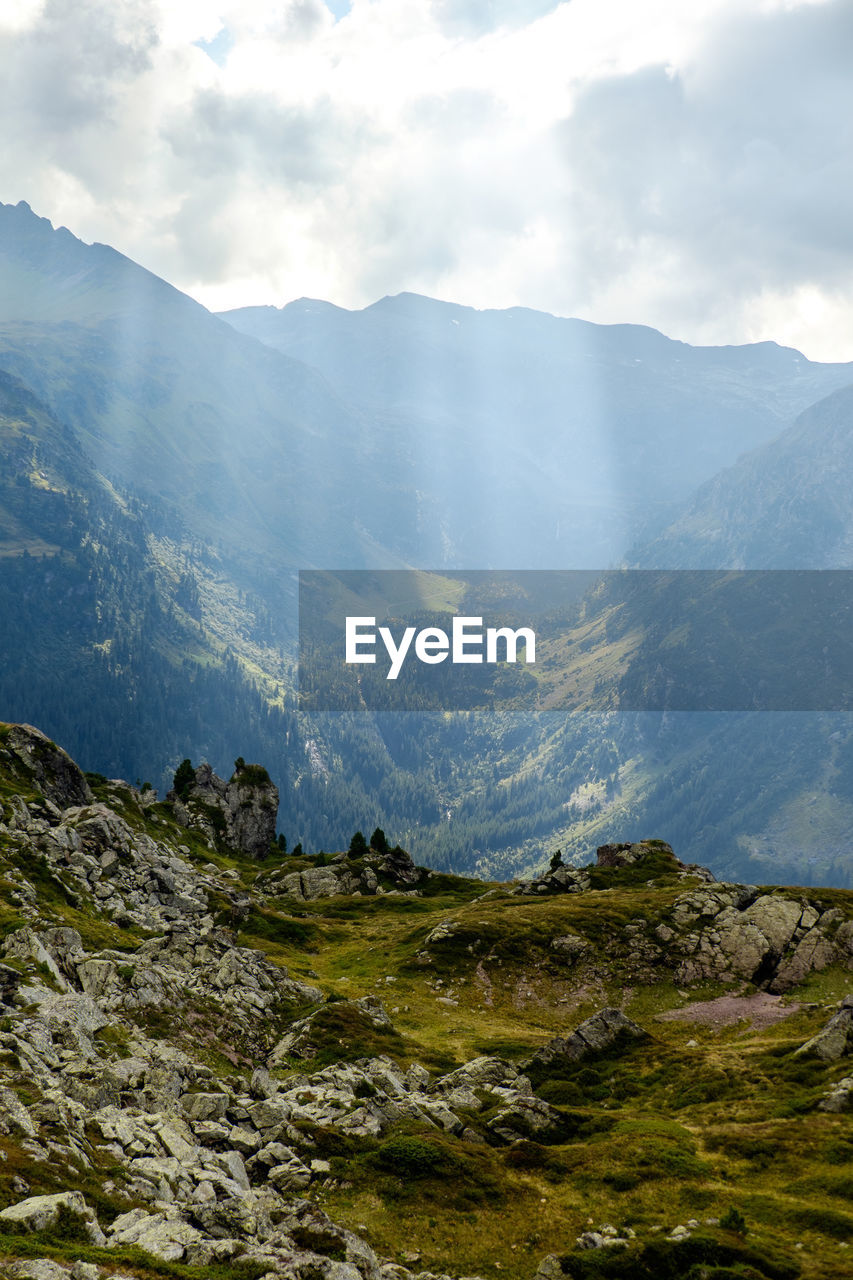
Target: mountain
103,616
777,789
231,1066
164,475
786,505
177,405
578,436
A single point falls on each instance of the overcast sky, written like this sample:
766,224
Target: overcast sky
683,165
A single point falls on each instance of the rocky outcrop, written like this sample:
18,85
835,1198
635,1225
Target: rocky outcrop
39,1213
122,873
561,880
657,853
371,873
616,856
241,813
624,855
595,1035
44,766
736,931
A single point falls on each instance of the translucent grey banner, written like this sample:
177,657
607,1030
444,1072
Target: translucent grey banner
630,640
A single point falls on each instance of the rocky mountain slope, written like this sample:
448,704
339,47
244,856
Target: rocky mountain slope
217,1060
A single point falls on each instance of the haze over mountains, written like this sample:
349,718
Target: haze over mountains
580,437
785,505
165,472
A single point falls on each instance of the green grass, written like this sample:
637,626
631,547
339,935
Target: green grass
651,1133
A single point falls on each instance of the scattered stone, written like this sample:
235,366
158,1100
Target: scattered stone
839,1098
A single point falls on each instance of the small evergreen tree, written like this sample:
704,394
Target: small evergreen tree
733,1220
282,844
358,845
297,850
378,841
556,859
184,779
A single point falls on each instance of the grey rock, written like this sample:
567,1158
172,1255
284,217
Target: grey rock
528,1118
204,1106
813,952
292,1175
247,808
596,1034
835,1040
246,1141
569,945
232,1217
14,1117
839,1098
262,1085
46,766
25,944
483,1073
443,930
40,1212
86,1271
39,1269
167,1238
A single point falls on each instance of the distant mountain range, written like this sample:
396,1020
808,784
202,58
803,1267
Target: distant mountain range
166,471
544,442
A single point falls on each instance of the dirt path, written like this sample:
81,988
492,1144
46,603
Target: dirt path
760,1010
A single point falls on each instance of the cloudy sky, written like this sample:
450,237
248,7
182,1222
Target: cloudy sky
688,166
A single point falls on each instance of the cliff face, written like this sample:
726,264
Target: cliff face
350,1068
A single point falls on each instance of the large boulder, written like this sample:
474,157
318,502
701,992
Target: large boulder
41,1212
770,939
839,1098
835,1040
167,1238
595,1035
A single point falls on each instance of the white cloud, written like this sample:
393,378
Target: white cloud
680,165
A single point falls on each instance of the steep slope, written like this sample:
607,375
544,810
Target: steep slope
777,790
786,505
627,1070
110,636
177,405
